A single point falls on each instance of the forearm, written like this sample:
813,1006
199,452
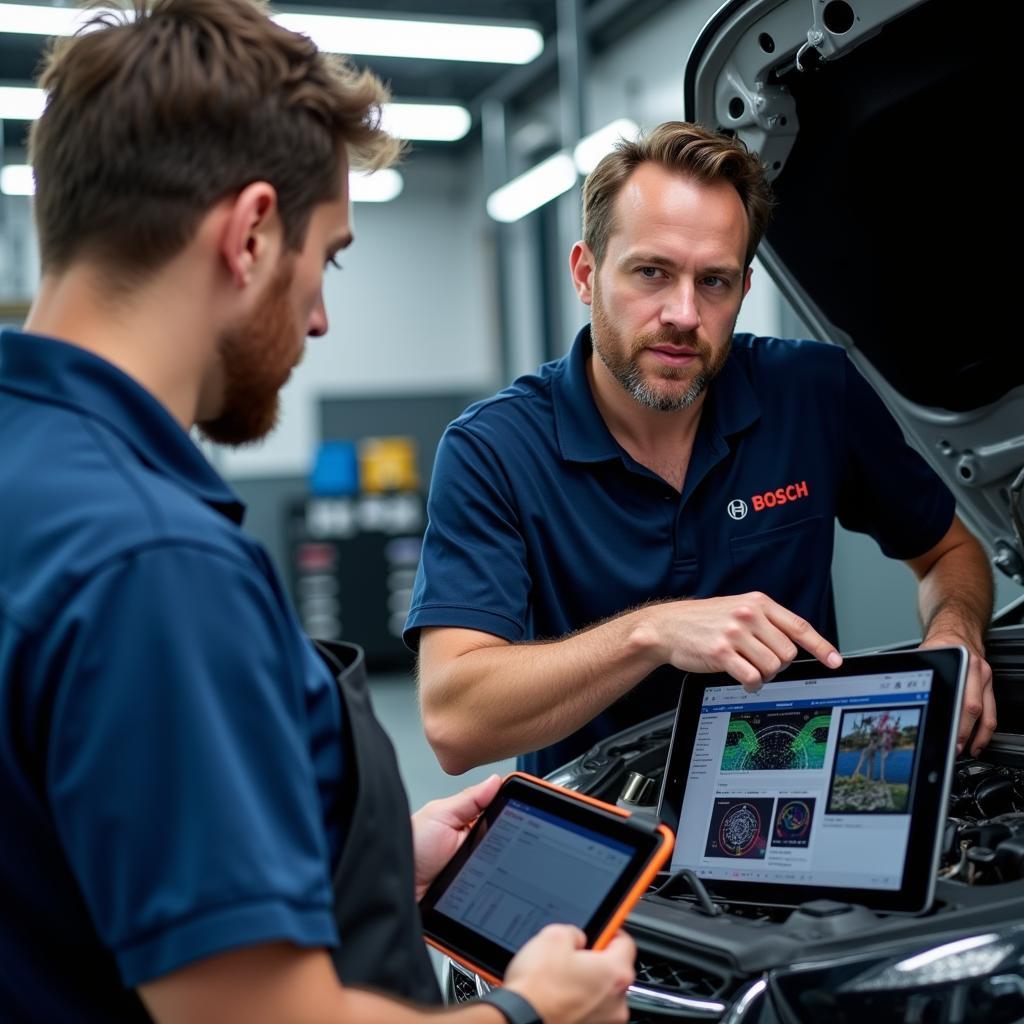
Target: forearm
955,595
280,984
483,698
500,700
368,1006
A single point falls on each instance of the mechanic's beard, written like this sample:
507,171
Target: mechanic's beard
625,368
256,358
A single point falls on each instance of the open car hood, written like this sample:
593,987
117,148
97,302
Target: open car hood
879,122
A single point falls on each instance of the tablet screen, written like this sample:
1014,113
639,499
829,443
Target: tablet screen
815,782
533,869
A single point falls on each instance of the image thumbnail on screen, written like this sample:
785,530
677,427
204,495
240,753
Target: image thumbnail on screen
776,740
739,828
874,761
793,817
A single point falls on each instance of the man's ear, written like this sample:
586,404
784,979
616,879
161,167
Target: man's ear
582,266
746,281
251,235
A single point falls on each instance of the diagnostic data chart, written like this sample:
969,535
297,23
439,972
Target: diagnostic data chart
739,828
776,740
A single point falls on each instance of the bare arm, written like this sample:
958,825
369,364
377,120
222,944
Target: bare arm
955,602
278,984
281,984
483,698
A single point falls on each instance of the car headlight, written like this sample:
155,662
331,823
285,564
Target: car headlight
974,980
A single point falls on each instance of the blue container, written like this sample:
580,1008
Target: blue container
335,469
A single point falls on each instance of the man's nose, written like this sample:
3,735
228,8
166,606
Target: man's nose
317,327
680,309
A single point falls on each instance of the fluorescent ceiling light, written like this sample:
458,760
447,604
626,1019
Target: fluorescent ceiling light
437,122
19,103
590,150
437,40
40,21
376,186
486,43
17,180
537,186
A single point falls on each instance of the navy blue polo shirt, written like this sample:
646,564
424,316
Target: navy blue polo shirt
169,755
540,523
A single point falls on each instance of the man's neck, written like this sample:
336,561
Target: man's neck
151,334
661,441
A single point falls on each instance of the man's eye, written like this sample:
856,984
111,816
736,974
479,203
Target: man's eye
714,281
649,272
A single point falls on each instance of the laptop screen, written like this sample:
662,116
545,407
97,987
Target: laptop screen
809,782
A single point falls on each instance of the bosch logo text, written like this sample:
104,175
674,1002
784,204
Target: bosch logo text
780,496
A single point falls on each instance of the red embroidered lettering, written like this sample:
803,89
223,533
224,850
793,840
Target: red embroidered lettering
779,496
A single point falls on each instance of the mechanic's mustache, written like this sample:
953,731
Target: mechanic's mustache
670,336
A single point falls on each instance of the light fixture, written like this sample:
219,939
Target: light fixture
433,40
21,103
376,186
17,180
483,42
537,186
40,21
590,150
436,122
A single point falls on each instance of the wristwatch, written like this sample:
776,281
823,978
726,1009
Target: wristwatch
515,1008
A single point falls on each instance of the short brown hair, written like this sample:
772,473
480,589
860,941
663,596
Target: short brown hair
156,115
691,150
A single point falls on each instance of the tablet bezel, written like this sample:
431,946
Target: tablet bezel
651,844
929,792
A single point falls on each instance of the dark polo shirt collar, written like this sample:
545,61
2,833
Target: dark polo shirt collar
583,436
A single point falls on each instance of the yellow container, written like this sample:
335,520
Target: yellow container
388,464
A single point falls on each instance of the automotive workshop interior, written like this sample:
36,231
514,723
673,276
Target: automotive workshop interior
878,127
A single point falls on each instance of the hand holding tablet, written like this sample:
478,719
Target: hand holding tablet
539,855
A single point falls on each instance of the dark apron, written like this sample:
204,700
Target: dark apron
378,921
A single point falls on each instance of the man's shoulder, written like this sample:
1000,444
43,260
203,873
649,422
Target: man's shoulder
85,505
768,354
524,404
786,363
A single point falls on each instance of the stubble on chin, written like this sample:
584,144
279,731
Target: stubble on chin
643,388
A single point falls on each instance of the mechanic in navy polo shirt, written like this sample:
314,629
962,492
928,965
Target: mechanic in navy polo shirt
202,821
665,494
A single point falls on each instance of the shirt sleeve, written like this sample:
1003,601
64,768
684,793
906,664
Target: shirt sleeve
473,570
887,489
179,774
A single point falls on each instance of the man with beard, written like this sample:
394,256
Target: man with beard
203,822
665,494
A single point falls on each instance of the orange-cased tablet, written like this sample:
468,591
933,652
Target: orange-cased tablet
653,846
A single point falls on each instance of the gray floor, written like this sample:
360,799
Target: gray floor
394,700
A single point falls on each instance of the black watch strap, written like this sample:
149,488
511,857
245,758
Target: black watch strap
516,1009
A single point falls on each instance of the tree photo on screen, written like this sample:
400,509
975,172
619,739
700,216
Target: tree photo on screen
874,761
